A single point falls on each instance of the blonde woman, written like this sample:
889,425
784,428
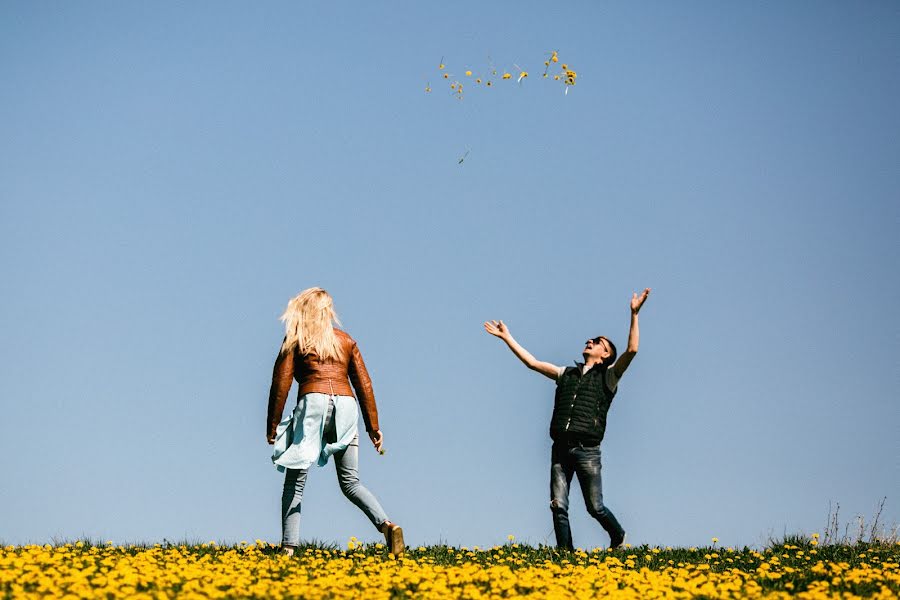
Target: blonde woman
324,360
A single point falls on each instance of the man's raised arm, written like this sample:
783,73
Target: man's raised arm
500,330
634,334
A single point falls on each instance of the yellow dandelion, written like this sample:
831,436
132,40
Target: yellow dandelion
489,84
545,76
468,73
446,76
715,540
523,75
478,80
556,77
546,63
554,57
507,76
427,88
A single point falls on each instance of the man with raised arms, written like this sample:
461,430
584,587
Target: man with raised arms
583,397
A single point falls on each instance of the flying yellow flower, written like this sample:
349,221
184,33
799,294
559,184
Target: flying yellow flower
507,76
478,80
446,76
468,73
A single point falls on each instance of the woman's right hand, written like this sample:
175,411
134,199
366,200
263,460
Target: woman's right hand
498,329
377,439
271,440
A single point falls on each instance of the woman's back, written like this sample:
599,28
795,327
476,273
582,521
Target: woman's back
326,376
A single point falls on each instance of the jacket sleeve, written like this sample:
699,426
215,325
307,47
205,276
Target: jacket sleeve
282,379
359,377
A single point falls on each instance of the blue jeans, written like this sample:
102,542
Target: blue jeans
567,460
347,465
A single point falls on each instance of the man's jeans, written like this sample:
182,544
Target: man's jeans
347,464
584,462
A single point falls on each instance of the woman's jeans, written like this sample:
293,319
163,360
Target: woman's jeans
583,461
347,464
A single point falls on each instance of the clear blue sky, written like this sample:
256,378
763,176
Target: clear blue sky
171,174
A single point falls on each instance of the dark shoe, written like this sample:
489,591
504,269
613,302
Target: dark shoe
393,537
616,543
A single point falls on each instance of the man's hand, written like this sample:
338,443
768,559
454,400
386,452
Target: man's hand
377,439
500,330
270,439
497,328
638,301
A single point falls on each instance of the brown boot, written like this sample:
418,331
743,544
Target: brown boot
393,537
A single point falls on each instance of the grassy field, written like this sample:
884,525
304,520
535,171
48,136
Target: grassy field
798,567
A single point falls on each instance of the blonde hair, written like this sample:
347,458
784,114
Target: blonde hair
308,325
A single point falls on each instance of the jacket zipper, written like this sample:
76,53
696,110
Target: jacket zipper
571,408
572,405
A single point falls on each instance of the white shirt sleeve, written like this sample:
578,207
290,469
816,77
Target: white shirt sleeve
612,381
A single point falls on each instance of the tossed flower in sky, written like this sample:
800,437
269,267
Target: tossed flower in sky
565,74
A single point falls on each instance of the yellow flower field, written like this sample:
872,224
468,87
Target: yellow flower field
802,570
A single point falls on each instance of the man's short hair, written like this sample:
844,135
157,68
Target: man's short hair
612,357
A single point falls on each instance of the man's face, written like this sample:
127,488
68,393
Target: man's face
596,349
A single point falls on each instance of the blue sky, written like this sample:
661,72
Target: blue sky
171,174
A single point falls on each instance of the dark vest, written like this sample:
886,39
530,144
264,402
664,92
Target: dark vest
580,407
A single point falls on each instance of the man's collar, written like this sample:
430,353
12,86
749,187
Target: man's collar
581,367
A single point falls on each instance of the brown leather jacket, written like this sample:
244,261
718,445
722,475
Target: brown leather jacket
327,377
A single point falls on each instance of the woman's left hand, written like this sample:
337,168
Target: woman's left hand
377,439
